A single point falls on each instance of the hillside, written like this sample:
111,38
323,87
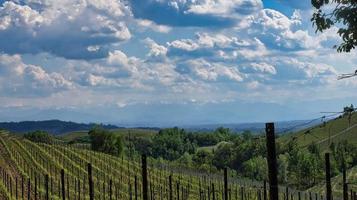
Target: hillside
324,134
27,163
53,126
334,130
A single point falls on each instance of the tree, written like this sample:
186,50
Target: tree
39,136
104,141
344,15
256,168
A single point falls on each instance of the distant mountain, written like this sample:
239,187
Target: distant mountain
258,127
51,126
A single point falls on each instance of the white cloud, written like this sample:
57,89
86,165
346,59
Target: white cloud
148,24
221,7
212,72
66,28
20,79
263,67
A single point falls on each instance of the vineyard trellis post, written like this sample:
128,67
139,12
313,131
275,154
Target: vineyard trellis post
272,162
328,176
90,182
63,185
170,187
225,183
265,190
46,185
344,182
145,176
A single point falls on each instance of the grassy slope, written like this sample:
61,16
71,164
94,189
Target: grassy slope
49,159
321,133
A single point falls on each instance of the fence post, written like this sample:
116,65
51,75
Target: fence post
145,176
90,182
344,182
46,186
272,163
265,190
63,185
16,192
328,176
170,187
225,183
28,189
136,187
110,189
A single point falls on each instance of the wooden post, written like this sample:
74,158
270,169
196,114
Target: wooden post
344,182
35,187
272,163
28,189
145,176
90,182
225,184
213,192
22,188
328,176
170,187
265,190
136,187
63,185
46,186
110,189
178,190
16,191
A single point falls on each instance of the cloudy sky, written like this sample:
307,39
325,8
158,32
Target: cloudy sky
168,62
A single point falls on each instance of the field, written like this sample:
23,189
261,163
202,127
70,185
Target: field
336,129
25,165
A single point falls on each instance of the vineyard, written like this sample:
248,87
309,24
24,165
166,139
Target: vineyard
42,171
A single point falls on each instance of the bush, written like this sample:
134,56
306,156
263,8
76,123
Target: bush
104,141
39,136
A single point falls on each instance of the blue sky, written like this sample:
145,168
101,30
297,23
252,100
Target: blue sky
168,62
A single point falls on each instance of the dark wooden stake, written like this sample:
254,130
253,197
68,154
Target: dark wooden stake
344,182
170,187
90,182
328,176
225,184
145,177
63,185
46,186
272,163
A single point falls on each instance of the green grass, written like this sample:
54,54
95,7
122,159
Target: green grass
211,148
320,133
36,160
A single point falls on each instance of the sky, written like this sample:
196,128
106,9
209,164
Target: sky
168,62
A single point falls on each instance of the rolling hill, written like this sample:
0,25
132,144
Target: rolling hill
52,126
323,134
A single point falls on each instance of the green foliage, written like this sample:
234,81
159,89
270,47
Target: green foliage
344,16
256,168
211,138
171,144
104,141
39,136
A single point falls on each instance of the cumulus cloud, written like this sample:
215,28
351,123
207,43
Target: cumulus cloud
148,24
20,79
71,29
203,13
212,71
